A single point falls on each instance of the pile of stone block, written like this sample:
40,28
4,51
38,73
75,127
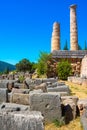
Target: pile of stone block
45,96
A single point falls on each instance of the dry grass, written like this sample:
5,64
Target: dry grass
74,125
78,90
81,92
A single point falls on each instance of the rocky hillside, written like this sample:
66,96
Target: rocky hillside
5,65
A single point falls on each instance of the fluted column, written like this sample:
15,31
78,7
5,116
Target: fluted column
55,40
73,28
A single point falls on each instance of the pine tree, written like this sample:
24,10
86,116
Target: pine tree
79,47
66,46
85,47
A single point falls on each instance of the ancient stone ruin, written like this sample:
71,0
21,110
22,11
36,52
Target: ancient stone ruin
55,41
84,67
74,56
82,79
73,28
30,106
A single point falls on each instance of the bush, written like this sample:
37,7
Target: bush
58,123
21,79
64,69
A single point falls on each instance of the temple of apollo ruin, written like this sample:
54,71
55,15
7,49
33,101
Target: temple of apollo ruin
74,56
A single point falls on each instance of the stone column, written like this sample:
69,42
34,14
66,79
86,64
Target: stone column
73,28
55,40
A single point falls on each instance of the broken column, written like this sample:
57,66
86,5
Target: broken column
55,41
73,28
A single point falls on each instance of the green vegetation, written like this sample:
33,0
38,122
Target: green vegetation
21,79
79,47
25,65
66,46
85,47
42,63
64,69
58,123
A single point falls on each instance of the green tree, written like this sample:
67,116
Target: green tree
33,67
66,46
85,47
64,69
79,47
24,65
42,63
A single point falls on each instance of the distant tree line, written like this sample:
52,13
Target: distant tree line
47,66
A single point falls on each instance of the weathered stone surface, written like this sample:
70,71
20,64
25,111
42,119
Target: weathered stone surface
82,103
55,41
48,104
3,83
84,118
51,80
36,91
76,80
62,88
60,93
3,95
84,67
21,121
38,81
73,29
23,91
55,84
20,98
18,85
69,110
42,86
74,98
10,107
29,81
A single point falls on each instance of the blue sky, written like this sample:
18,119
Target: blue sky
26,26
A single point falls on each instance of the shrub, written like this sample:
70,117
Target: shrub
58,123
21,79
64,69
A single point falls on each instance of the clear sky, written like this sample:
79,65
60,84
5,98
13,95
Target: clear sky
26,26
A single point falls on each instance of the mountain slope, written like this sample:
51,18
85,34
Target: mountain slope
5,65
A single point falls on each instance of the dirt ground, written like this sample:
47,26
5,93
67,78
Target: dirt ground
81,92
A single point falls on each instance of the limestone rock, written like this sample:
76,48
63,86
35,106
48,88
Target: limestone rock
3,95
23,120
73,28
69,110
48,104
55,41
20,98
84,67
